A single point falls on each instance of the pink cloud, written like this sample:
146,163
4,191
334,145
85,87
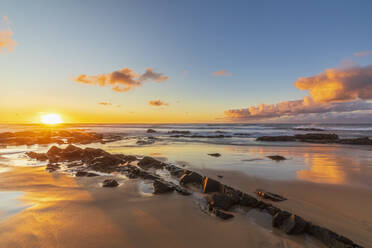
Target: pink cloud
222,73
122,80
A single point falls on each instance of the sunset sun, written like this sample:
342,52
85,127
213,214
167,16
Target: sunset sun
51,119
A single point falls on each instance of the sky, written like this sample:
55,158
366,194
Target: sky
186,61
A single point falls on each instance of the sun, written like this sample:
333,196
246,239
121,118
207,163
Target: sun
51,119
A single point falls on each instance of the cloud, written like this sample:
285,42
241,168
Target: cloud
6,41
363,53
105,103
158,103
222,73
336,85
122,80
291,108
333,91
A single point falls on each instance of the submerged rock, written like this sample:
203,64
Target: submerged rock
37,156
276,138
110,183
222,214
270,196
210,185
150,131
277,157
214,155
179,132
317,136
191,177
222,201
161,187
149,162
85,174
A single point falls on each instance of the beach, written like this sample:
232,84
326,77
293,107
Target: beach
327,184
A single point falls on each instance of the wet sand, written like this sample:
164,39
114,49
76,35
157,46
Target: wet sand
63,211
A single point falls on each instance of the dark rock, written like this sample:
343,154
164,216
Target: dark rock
191,177
52,167
233,194
293,225
150,131
90,153
279,218
277,157
149,162
210,185
317,136
270,196
161,187
175,171
214,155
110,183
329,238
146,141
181,190
179,132
276,138
357,141
37,156
222,214
308,129
248,201
218,200
219,176
54,151
85,174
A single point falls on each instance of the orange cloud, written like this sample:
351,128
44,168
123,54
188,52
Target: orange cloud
6,41
363,53
291,108
158,103
122,80
335,90
335,85
105,103
222,73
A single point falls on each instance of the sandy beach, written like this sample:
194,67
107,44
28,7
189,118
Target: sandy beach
326,184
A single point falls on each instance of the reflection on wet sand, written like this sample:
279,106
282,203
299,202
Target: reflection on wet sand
68,212
324,169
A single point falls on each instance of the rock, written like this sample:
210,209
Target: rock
214,155
146,141
210,185
218,200
277,157
317,136
191,177
54,151
330,238
248,201
37,156
149,162
181,190
179,132
233,194
270,196
222,214
150,131
52,167
279,218
307,129
276,138
110,183
293,225
175,171
357,141
90,153
219,176
161,187
85,174
71,153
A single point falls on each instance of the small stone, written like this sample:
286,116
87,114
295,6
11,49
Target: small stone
110,183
